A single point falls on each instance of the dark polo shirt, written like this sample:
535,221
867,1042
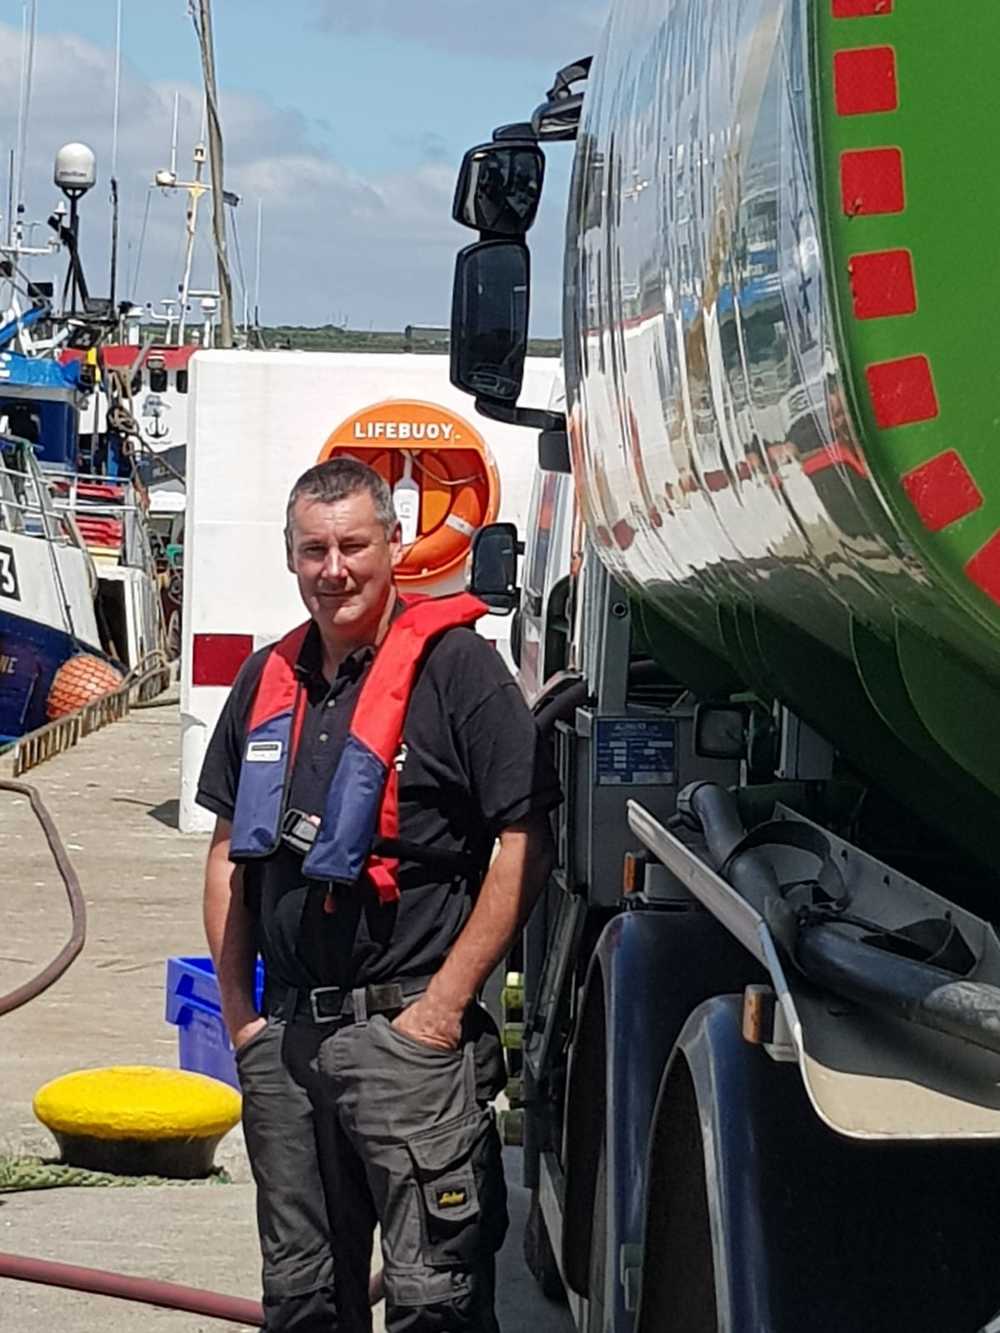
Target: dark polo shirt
474,764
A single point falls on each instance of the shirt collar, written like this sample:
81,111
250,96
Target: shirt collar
309,666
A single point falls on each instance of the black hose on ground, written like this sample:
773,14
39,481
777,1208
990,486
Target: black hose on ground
78,910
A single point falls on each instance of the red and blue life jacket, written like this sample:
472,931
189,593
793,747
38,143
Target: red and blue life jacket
362,802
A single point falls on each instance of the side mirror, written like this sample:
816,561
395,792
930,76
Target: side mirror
489,320
493,578
499,187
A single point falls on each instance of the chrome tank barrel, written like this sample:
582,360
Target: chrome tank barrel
783,372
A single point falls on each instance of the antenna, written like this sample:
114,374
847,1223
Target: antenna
256,276
173,137
28,31
118,89
10,199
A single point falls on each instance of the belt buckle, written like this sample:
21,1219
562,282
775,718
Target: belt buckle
325,990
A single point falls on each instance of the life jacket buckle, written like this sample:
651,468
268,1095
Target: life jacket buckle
298,831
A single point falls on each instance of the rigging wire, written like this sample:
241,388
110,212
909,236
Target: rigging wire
240,271
134,280
444,481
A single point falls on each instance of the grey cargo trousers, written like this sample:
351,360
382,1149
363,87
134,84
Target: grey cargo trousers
349,1124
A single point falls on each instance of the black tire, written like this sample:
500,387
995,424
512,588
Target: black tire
680,1294
539,1255
597,1267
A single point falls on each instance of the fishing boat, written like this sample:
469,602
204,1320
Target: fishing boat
79,587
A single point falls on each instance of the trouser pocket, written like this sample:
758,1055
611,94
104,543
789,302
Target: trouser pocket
460,1187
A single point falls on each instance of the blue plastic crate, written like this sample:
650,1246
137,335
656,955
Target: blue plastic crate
193,1006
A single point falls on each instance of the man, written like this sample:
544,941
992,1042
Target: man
361,772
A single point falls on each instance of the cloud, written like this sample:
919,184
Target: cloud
560,30
377,248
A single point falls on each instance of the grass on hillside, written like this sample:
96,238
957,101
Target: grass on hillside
330,338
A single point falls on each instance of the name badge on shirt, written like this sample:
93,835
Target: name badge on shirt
263,752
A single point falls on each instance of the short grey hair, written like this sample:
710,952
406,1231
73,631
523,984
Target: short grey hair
336,479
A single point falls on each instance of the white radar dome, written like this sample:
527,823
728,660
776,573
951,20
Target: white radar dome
76,168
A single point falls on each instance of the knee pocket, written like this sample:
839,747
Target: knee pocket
288,1310
445,1298
462,1197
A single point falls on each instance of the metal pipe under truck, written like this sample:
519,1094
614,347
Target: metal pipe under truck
759,617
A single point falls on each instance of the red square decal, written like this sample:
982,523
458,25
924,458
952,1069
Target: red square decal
864,81
902,392
882,284
871,181
942,491
984,568
217,658
857,9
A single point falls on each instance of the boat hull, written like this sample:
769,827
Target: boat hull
30,657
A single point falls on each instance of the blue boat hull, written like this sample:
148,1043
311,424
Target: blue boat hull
30,656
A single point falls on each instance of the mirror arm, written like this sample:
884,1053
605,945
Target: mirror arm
558,117
521,129
558,121
567,76
533,418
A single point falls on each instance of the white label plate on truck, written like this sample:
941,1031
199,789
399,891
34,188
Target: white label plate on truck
634,752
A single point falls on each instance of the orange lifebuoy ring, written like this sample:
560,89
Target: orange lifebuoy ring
445,546
460,490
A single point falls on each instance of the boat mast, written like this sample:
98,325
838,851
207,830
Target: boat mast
195,189
28,31
201,14
114,154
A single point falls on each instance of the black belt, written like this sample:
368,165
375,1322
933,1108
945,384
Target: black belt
333,1004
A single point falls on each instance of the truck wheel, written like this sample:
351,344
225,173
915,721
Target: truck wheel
599,1247
679,1294
538,1253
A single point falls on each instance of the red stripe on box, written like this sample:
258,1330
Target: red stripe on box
864,81
984,568
871,181
857,9
216,658
902,392
942,491
882,284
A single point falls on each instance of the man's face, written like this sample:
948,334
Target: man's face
343,561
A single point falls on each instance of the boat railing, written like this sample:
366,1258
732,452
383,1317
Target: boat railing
26,508
76,509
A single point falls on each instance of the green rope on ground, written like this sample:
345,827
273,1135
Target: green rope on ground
40,1173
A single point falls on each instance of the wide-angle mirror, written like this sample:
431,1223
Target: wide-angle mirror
489,320
499,188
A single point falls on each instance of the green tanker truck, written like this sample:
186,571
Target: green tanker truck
759,618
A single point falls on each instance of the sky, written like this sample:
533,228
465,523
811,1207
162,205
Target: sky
347,118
